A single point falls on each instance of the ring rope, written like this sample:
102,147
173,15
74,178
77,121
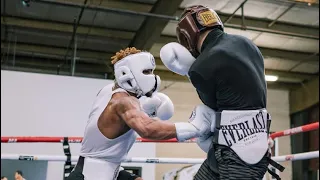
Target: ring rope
37,139
291,157
300,129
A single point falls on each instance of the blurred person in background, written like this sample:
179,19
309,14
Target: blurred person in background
4,178
19,175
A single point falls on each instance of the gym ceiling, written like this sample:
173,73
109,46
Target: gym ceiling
78,37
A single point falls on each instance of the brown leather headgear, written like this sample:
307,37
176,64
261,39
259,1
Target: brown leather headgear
194,20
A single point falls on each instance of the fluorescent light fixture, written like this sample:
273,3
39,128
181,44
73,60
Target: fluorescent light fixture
271,78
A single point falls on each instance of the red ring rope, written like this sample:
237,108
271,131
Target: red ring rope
288,132
21,139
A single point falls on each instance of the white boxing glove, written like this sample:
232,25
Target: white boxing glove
158,105
204,142
201,121
176,58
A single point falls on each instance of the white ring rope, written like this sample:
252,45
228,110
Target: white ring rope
293,157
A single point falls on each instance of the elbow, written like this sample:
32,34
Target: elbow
145,136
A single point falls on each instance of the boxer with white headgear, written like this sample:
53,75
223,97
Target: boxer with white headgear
117,115
228,74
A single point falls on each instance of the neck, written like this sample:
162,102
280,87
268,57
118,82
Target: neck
116,86
208,37
201,39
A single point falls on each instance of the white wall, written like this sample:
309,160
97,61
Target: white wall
48,105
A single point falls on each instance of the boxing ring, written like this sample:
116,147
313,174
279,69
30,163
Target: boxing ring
68,158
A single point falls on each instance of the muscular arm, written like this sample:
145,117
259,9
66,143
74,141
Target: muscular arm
128,108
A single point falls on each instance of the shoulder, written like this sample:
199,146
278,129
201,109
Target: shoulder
231,48
241,42
105,89
241,46
236,37
121,101
210,60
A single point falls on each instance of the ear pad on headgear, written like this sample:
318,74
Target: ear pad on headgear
123,76
185,40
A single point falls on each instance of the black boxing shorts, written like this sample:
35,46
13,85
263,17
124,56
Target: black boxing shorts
76,174
125,175
222,163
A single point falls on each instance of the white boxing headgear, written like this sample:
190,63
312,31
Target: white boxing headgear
130,77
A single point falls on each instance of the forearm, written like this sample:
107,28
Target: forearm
160,130
164,130
151,128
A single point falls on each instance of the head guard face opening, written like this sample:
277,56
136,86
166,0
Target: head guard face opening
195,20
130,76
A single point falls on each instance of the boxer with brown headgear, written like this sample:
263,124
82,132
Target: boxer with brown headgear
228,74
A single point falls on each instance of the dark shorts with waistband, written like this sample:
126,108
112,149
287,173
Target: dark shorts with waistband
76,174
223,163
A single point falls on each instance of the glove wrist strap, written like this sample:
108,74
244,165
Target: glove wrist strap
186,131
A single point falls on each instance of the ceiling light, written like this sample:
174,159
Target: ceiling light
271,78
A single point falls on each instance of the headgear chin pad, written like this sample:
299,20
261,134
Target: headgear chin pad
195,20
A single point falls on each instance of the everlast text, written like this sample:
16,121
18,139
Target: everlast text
207,18
244,130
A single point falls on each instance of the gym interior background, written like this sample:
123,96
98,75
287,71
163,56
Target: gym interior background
55,56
